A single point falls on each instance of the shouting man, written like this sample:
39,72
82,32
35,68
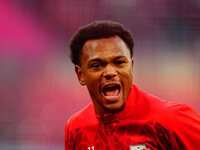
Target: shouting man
121,116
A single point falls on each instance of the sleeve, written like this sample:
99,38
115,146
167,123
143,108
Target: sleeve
68,138
186,129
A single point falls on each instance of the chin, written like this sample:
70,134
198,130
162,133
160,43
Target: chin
114,109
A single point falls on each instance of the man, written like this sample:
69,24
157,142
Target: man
121,116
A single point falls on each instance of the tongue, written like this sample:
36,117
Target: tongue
111,92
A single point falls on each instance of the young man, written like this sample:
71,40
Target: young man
121,116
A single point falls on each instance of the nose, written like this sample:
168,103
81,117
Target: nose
109,72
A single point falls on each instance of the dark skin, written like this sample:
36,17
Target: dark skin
107,71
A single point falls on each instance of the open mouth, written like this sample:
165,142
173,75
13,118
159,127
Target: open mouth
111,91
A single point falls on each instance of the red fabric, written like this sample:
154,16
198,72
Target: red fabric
145,120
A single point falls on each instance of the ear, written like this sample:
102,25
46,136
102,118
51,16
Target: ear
80,75
132,63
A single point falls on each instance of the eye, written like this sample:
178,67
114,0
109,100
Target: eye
95,65
120,62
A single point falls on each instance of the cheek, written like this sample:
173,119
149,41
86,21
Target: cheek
127,79
92,81
127,75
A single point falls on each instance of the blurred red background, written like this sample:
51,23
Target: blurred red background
39,90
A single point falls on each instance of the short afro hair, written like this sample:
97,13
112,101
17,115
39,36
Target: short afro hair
97,30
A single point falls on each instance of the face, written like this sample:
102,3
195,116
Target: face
107,71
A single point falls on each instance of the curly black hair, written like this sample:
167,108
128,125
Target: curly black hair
97,30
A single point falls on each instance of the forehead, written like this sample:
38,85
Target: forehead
105,48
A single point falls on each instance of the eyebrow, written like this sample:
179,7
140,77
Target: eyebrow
118,57
99,60
95,59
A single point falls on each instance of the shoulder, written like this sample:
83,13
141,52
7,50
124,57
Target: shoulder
181,121
180,118
155,102
187,116
157,108
83,118
185,127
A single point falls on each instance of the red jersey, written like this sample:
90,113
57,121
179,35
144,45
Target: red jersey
146,122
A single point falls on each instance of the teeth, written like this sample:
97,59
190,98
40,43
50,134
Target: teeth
109,86
111,90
